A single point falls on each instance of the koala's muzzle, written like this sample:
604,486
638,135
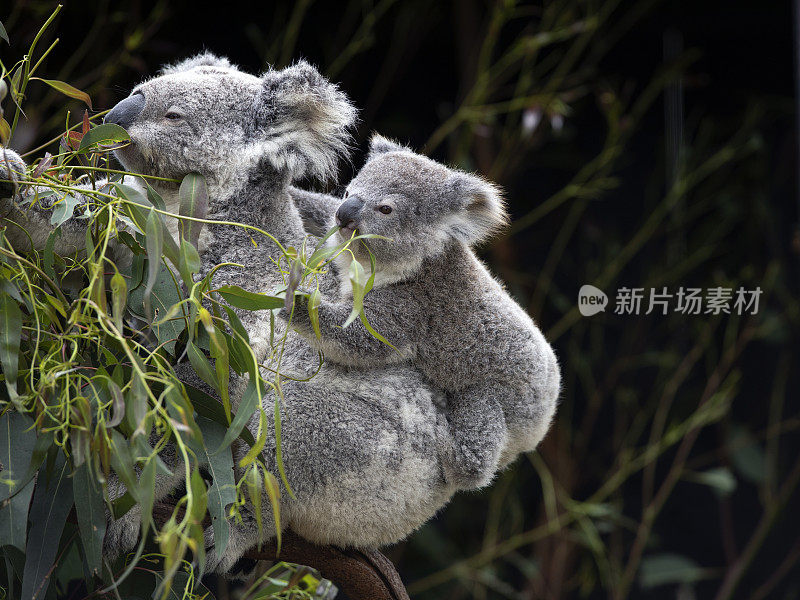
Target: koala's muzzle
126,111
347,214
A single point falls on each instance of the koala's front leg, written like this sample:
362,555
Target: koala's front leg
479,435
352,345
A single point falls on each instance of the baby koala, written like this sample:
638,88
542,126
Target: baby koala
438,305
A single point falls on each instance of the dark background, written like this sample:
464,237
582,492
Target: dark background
709,514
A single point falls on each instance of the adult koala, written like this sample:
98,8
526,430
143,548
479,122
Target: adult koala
361,448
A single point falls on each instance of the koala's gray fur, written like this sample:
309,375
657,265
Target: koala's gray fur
317,210
362,448
439,306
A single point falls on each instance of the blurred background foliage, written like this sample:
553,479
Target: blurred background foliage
641,144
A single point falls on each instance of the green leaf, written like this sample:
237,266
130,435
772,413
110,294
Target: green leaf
223,487
145,492
90,511
3,35
201,365
211,408
119,296
154,242
107,133
314,300
52,502
193,195
662,569
189,262
324,251
10,332
274,494
356,274
165,294
17,441
14,517
240,298
250,402
136,403
117,404
5,132
64,210
139,217
68,90
49,253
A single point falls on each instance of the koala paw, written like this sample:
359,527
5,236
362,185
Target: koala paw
468,467
300,317
122,534
243,536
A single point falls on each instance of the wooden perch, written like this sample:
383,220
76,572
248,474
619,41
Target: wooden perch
361,574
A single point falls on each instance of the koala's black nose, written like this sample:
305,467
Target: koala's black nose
347,213
126,111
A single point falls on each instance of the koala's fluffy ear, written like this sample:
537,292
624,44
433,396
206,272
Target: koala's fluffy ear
204,59
380,145
481,209
302,121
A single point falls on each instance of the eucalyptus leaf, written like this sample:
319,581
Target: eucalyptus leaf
154,242
14,517
193,196
17,442
64,209
107,133
222,491
68,90
90,510
52,502
241,298
10,332
248,405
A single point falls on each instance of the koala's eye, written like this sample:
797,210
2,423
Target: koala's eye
346,193
385,209
173,115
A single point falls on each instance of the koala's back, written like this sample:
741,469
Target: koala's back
476,331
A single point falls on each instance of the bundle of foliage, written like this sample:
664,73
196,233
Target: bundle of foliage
88,393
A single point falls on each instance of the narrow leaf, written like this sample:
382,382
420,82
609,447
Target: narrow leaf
223,487
10,332
249,404
90,511
119,295
193,195
313,311
117,405
67,90
154,242
17,441
356,274
52,502
105,134
240,298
